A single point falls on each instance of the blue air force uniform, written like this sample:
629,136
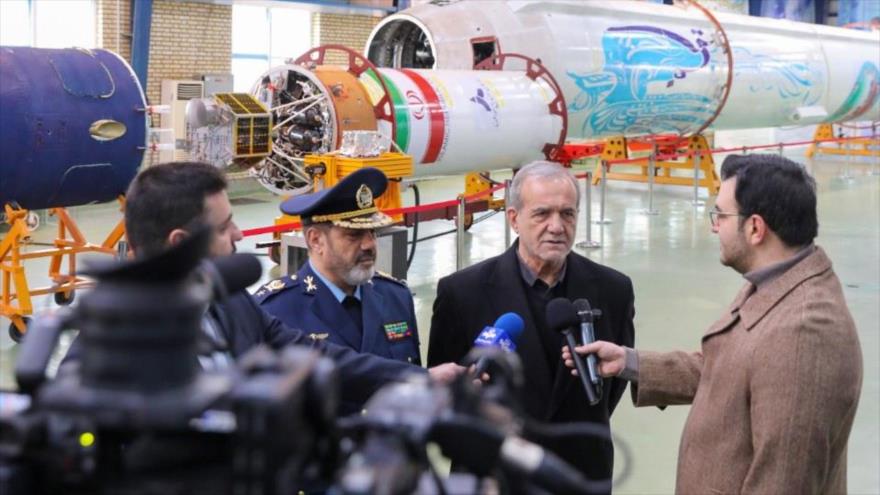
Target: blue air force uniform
314,305
379,317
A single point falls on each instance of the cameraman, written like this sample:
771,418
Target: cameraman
164,204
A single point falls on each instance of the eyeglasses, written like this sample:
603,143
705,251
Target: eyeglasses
714,214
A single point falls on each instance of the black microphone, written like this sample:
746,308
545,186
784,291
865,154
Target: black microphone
229,274
588,336
481,445
562,317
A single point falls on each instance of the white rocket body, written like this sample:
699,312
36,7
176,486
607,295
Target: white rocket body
637,68
455,121
623,68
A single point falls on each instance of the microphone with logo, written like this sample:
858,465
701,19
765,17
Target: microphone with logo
505,333
588,336
563,318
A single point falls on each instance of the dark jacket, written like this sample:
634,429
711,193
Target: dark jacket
389,320
475,297
245,325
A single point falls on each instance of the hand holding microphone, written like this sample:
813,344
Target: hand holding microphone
562,317
611,357
588,336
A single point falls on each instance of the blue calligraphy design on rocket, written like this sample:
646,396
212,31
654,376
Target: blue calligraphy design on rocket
487,117
636,90
801,81
480,99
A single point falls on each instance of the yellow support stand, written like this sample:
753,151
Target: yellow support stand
477,182
823,132
15,294
853,147
329,169
14,284
616,149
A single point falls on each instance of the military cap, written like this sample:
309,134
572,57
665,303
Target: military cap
348,204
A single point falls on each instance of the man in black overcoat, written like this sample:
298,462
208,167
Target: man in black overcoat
539,267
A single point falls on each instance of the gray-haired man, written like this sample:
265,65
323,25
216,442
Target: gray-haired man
537,268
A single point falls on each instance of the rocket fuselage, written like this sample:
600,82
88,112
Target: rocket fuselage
635,68
623,68
449,120
72,126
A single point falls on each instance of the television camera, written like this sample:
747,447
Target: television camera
136,414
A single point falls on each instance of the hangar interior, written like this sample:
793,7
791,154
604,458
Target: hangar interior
656,233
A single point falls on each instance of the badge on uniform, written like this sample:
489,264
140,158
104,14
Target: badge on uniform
397,331
272,286
310,284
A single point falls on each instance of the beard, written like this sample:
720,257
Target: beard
358,274
736,256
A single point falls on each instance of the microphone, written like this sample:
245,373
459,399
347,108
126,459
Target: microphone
504,334
588,336
562,317
481,446
230,274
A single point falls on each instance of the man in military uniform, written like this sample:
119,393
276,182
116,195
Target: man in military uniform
338,295
163,204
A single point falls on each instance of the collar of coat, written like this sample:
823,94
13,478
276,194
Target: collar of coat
751,306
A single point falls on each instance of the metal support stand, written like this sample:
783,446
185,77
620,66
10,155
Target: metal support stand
780,149
602,220
875,166
845,173
506,219
459,235
122,250
652,165
588,243
697,201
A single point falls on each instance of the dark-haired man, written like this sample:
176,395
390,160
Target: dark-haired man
775,387
164,204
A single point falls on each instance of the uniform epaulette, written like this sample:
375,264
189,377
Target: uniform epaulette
276,286
387,276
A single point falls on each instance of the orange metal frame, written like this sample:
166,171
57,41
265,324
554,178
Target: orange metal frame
867,146
336,167
15,294
617,149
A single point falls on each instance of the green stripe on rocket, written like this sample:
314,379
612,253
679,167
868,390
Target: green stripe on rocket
401,112
861,97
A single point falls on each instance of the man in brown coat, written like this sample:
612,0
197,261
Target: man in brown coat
775,387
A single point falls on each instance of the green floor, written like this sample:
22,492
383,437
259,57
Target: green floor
680,289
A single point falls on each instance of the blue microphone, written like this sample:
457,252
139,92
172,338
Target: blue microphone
505,334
